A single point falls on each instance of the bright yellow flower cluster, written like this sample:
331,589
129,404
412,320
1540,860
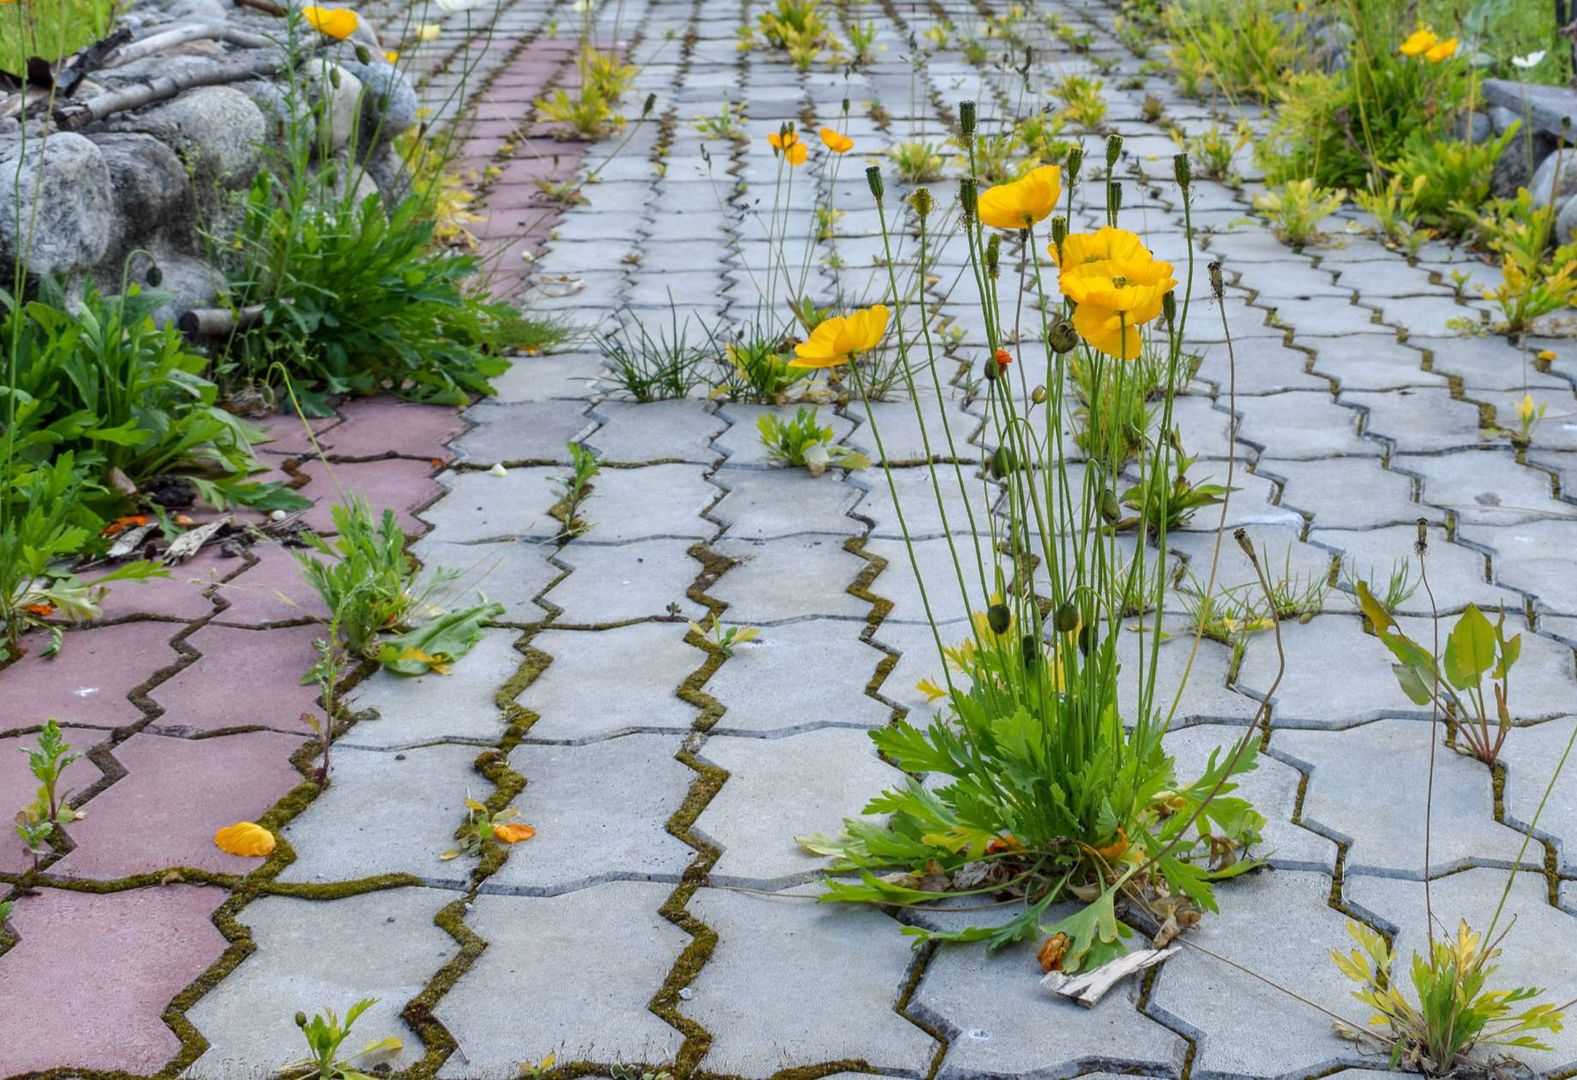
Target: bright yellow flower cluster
836,340
337,23
788,143
1116,284
1426,43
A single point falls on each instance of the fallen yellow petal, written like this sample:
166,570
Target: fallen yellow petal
246,839
513,834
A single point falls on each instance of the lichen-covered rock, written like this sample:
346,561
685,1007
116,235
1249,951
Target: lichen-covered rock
56,205
217,130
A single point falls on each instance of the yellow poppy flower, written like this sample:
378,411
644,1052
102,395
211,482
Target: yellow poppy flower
841,337
337,23
246,839
1117,286
1024,202
789,145
835,141
1419,42
1443,51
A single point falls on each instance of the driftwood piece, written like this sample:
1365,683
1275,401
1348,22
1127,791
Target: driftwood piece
1088,987
217,322
76,115
183,34
88,60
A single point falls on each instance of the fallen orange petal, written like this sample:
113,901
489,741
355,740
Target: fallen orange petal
43,611
121,524
513,834
246,839
1052,952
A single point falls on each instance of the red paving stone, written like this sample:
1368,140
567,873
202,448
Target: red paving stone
179,596
86,683
386,425
398,484
87,981
289,435
271,590
176,794
18,786
244,678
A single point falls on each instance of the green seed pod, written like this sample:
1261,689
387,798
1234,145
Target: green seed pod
1067,618
1087,639
1038,395
999,618
1169,307
1063,338
1183,170
363,54
1111,509
334,77
969,198
1003,461
994,254
873,177
1059,232
1114,196
1114,150
301,1019
966,119
921,201
1075,164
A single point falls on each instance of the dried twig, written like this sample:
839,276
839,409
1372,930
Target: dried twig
184,34
75,115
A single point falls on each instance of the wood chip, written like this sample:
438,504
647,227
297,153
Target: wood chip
129,541
1088,987
189,543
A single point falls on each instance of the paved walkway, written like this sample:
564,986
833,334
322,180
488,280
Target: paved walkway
661,914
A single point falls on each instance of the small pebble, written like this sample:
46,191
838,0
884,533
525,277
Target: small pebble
276,515
686,994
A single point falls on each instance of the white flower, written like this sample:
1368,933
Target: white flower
460,5
1532,60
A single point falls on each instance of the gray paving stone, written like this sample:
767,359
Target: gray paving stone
1302,425
917,500
656,431
1385,824
763,504
1279,926
600,811
1322,318
999,1022
905,436
541,378
615,583
1535,952
1532,756
1365,362
1458,573
779,789
322,954
511,573
949,602
794,578
533,431
1267,367
570,975
1483,486
387,813
608,682
1388,277
1348,493
1419,420
1205,693
799,675
1488,363
794,983
482,506
461,706
1336,674
1533,557
649,502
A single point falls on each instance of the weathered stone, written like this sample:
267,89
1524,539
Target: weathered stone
609,682
764,686
56,205
217,130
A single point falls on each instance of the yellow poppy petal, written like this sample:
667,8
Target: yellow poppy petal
337,23
513,834
246,839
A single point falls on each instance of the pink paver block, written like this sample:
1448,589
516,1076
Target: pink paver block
85,984
387,425
87,682
397,484
271,590
18,786
177,794
289,436
244,678
179,596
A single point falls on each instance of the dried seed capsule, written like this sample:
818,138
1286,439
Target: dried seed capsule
1059,232
994,254
921,201
1114,196
1114,150
969,198
1075,164
999,618
1217,286
1169,307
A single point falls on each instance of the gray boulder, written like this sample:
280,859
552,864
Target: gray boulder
217,130
1555,179
56,205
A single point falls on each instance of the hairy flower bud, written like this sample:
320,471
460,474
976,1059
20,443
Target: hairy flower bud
1063,337
1059,232
1114,197
1038,395
1114,150
999,618
969,198
991,369
363,54
1111,510
1067,618
873,177
1183,170
994,254
155,276
301,1019
1075,164
921,202
1003,461
966,119
334,77
1169,307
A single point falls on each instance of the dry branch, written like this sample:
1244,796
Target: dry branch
73,115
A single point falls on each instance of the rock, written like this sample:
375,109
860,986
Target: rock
217,130
199,9
1475,127
152,190
388,171
1550,110
56,205
1502,118
342,96
1566,221
187,282
1514,169
390,104
1555,179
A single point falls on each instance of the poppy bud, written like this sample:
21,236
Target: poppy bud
1038,395
363,54
1114,196
873,177
1067,618
999,618
1032,650
1182,170
921,201
966,118
1059,232
1216,285
1063,337
155,275
1114,150
1110,509
1087,640
301,1019
334,77
969,197
845,106
1003,461
994,254
651,103
991,369
1169,307
1075,163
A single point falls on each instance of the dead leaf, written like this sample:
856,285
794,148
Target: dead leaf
1052,950
186,545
